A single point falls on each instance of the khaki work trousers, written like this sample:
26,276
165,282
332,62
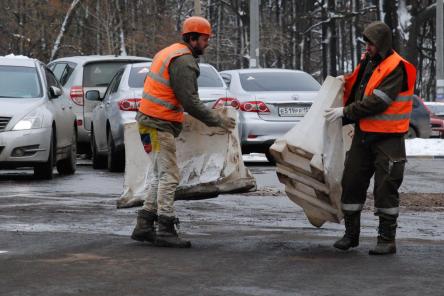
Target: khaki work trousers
385,159
161,148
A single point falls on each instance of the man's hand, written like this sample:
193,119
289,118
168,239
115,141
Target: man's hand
340,78
332,114
227,123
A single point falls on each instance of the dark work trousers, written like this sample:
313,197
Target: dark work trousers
384,157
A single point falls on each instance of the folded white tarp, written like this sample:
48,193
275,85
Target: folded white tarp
209,159
310,158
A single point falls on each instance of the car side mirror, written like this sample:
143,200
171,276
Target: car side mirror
55,92
93,95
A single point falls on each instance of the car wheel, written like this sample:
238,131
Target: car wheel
68,165
98,161
44,171
116,159
411,134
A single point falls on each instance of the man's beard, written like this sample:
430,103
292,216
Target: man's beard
198,51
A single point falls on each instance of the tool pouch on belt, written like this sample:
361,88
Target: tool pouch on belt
393,152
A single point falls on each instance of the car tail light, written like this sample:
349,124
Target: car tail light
76,95
254,106
79,122
129,104
226,102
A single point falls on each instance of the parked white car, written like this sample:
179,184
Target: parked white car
37,124
78,74
270,101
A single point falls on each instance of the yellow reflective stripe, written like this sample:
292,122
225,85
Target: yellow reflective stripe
352,207
389,116
161,102
403,98
158,78
388,211
167,60
383,96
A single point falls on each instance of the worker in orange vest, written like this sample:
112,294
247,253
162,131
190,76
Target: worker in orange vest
170,89
378,100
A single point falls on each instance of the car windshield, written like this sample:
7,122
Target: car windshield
278,81
19,82
137,76
100,74
209,78
436,109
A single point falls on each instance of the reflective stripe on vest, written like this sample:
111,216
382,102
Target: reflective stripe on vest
396,118
158,98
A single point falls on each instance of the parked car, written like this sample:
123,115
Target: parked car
77,75
271,102
436,118
419,120
37,124
120,104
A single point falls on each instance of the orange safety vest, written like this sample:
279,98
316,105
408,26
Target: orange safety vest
396,118
158,98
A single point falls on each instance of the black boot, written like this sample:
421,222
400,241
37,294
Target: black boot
144,230
386,239
352,230
166,235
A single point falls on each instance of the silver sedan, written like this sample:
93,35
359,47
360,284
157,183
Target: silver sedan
37,125
270,103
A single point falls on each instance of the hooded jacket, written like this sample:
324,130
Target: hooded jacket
358,106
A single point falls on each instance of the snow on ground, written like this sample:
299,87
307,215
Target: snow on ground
424,147
414,147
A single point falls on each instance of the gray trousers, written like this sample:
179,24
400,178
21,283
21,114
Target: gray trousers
385,159
161,148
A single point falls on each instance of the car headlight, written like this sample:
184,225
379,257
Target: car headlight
30,121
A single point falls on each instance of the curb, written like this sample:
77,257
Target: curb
426,156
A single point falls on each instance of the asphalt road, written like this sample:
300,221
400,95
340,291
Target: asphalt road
65,237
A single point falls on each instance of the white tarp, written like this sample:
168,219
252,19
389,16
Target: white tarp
209,159
310,158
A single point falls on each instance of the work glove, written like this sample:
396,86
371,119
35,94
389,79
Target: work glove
227,123
332,114
340,78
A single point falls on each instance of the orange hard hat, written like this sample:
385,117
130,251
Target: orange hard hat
196,24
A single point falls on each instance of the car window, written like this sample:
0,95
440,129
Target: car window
209,78
116,82
19,82
137,76
62,71
52,81
99,74
278,81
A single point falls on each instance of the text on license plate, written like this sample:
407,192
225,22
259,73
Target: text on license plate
293,111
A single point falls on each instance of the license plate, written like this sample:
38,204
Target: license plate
293,111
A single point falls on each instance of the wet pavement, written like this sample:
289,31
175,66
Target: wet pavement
65,237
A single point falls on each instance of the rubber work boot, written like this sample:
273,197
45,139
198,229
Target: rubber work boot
352,230
386,239
166,235
144,230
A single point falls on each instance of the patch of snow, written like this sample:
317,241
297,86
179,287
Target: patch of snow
424,147
11,55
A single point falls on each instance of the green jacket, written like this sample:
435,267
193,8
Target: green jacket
184,71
